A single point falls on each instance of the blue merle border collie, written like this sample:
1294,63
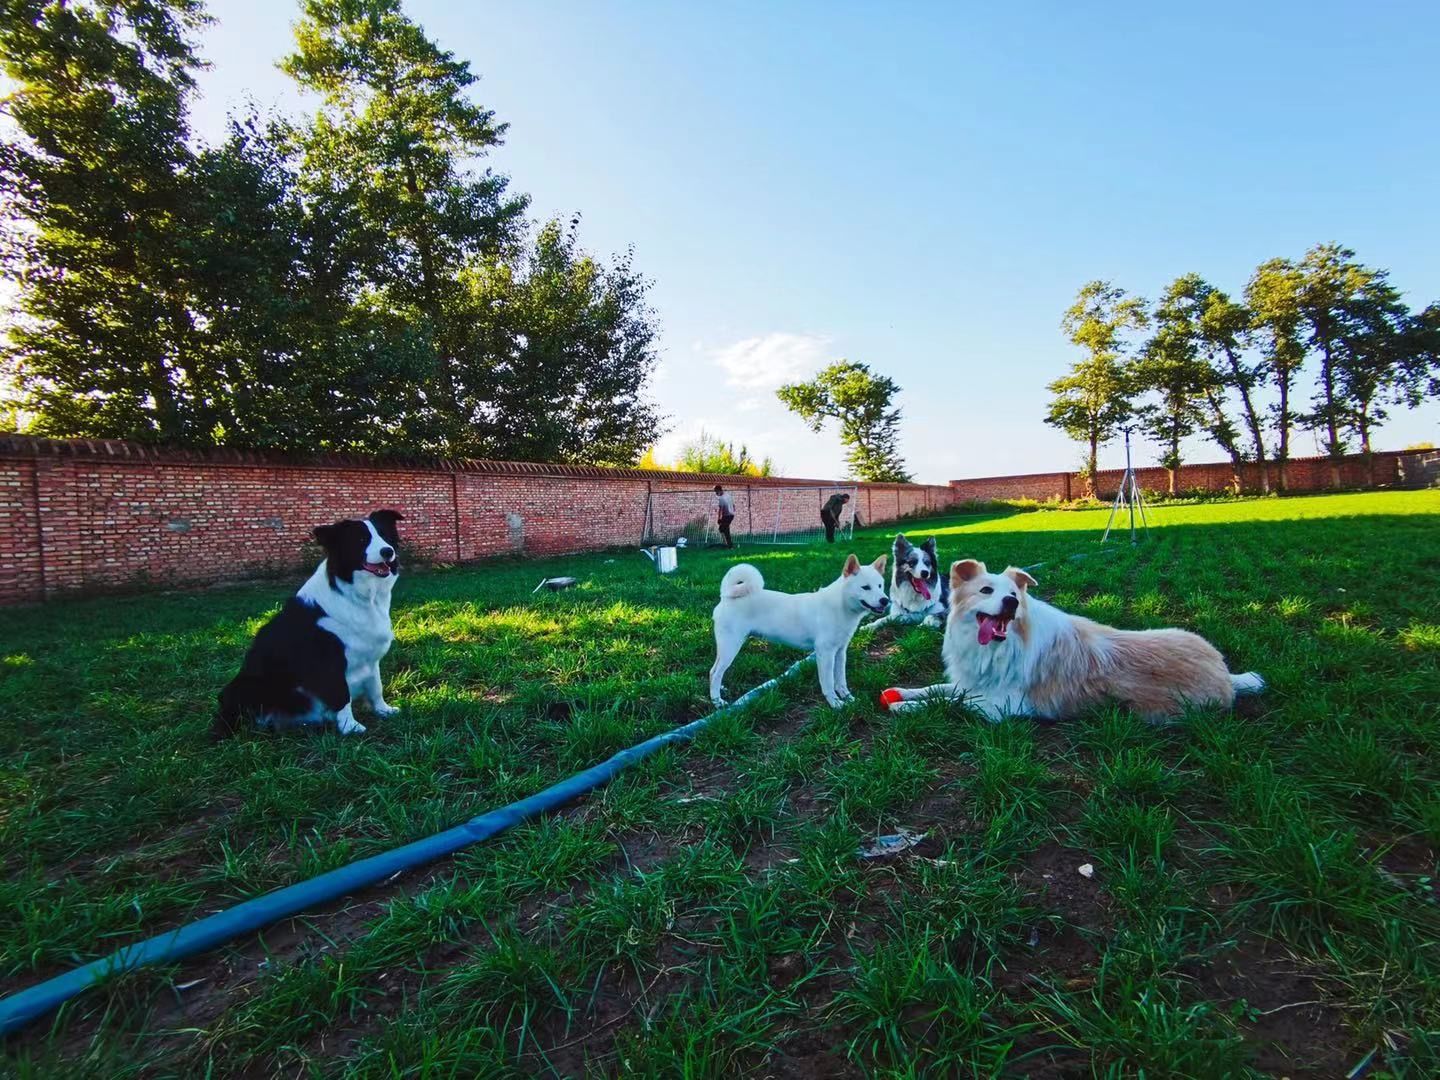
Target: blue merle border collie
917,587
322,650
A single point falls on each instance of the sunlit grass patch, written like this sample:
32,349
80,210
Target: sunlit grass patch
709,913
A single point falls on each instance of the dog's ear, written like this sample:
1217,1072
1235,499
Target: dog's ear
327,536
929,545
852,565
879,564
900,542
383,517
1020,577
964,570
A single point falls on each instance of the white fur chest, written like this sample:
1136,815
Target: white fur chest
997,668
366,639
358,614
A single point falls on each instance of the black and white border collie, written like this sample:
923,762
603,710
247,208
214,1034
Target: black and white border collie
917,587
322,650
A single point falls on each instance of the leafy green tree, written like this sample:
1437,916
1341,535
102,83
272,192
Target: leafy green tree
535,349
174,292
1380,358
1273,297
1335,293
388,157
1093,401
559,354
1225,338
709,453
354,284
106,342
1170,367
293,362
861,402
1421,357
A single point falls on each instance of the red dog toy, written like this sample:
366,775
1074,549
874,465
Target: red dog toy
890,697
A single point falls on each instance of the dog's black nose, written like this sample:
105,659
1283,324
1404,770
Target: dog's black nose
1010,604
387,553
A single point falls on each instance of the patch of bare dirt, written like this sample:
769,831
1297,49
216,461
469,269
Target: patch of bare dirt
1287,1014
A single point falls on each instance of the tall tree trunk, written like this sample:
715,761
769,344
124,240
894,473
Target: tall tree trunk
1363,422
163,376
1332,429
1222,433
1091,488
1252,418
167,410
1282,454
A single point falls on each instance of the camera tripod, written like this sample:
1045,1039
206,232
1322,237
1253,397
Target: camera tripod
1128,496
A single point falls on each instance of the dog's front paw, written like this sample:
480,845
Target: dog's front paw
718,701
935,622
349,726
382,709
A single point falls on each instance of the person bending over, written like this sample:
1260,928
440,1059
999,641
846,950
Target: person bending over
830,514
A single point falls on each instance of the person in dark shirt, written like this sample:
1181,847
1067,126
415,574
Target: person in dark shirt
830,514
725,514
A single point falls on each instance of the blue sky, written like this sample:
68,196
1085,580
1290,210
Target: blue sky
925,187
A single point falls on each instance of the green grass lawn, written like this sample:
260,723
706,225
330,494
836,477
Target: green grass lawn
1263,890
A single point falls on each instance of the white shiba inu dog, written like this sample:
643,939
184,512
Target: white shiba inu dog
824,620
1009,653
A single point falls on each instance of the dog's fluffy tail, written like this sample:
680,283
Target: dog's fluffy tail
1249,683
741,580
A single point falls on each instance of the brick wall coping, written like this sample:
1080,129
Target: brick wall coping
36,447
1017,476
1191,465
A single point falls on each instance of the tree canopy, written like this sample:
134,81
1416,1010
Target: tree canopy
1170,367
354,282
708,453
862,403
1211,361
1095,398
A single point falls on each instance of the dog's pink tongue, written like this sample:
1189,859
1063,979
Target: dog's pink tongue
920,587
989,627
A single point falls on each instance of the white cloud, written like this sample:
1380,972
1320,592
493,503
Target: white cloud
768,361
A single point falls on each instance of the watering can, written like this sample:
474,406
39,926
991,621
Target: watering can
666,559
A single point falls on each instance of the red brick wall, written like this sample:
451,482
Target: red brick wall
760,509
79,516
1301,474
20,570
1039,486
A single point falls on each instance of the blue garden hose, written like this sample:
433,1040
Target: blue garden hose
18,1009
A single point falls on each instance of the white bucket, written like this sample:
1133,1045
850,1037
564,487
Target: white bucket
666,559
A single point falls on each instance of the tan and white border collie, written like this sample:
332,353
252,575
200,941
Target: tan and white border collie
1009,653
